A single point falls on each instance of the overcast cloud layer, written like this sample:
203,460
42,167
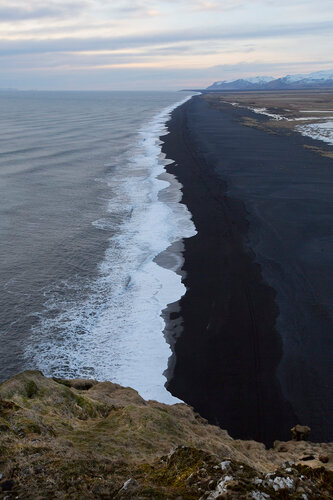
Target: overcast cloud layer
156,44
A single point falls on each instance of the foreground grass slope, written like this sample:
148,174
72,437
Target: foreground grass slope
85,439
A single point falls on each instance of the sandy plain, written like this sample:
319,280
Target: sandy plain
288,110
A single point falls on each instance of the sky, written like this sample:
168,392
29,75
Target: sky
159,44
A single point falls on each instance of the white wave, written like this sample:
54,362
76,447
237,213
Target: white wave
115,332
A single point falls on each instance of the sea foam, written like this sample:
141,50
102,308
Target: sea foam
113,329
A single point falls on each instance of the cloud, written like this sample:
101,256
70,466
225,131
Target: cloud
85,10
80,37
22,10
144,79
132,9
236,4
18,10
14,14
68,44
204,5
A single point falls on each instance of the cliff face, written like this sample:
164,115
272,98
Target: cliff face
84,439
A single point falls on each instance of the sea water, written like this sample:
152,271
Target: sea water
86,207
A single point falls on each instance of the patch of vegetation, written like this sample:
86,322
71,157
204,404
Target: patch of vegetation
31,389
4,426
321,476
7,406
253,123
323,152
172,472
30,427
151,492
62,381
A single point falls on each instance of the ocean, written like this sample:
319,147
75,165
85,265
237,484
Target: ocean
90,225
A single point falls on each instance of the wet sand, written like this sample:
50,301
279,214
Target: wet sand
253,337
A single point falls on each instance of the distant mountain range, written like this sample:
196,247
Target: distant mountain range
318,79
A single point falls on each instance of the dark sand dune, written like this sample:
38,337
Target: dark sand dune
255,354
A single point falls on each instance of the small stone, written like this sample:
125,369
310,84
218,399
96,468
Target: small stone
223,484
129,485
307,457
324,458
225,464
258,480
280,483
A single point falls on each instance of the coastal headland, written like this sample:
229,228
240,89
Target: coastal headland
84,439
253,338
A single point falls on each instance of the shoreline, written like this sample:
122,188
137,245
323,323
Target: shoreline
115,330
237,356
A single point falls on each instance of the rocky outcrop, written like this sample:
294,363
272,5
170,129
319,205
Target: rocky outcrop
300,432
83,439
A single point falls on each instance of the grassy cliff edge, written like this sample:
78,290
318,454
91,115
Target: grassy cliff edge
84,439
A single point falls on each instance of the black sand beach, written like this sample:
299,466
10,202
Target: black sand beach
254,353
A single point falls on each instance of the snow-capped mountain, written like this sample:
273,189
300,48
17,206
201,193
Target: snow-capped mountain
251,83
259,79
318,79
317,75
